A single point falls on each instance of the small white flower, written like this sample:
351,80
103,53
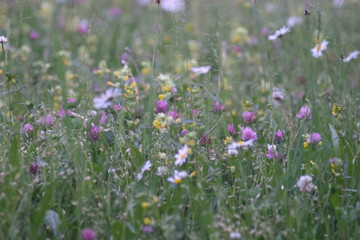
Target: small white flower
232,151
145,168
178,176
235,235
279,33
161,171
352,55
92,113
305,183
317,50
105,100
277,96
3,39
293,20
173,5
201,70
180,157
271,147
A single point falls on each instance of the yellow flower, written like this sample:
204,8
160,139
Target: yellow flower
156,123
178,181
147,221
337,110
161,96
191,143
166,88
246,105
193,174
228,140
145,205
155,199
306,144
145,71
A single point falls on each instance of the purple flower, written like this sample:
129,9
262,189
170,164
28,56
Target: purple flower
265,31
272,153
83,27
94,133
314,138
305,113
218,107
61,113
173,114
195,111
231,129
147,229
237,49
174,90
71,100
34,168
184,132
117,107
46,121
248,134
114,11
249,117
34,35
278,137
161,106
204,139
26,129
305,183
88,234
103,118
124,58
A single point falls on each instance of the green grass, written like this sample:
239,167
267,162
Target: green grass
93,184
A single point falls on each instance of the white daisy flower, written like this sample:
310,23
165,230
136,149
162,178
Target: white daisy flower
173,5
352,55
105,100
3,39
178,176
180,157
317,50
145,168
232,148
279,33
201,70
305,183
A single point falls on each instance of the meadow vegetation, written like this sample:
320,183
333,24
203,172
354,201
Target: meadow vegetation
172,119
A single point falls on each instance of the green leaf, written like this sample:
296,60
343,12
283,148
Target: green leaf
108,137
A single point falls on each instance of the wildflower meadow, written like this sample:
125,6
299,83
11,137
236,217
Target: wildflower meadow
179,119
